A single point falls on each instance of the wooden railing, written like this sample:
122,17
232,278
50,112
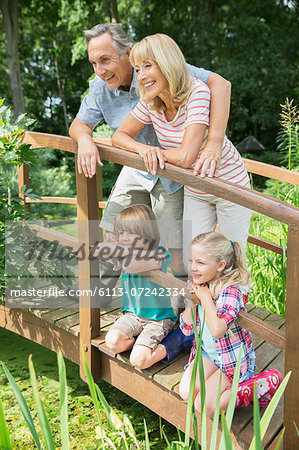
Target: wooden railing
88,198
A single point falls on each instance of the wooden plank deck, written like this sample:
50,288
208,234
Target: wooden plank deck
59,327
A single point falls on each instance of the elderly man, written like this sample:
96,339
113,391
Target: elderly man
111,97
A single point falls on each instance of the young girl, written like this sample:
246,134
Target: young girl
147,311
217,267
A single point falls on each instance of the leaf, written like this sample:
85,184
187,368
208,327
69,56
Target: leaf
5,442
22,405
44,423
112,417
227,437
256,420
232,399
280,439
147,444
213,441
92,389
63,402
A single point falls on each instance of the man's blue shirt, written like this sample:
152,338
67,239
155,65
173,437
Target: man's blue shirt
114,106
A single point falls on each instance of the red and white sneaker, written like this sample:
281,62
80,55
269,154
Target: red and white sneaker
266,383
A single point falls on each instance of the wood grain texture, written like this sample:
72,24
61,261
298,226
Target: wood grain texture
291,410
269,171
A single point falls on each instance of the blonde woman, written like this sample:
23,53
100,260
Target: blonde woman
178,106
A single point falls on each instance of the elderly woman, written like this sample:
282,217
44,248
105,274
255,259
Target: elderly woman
178,106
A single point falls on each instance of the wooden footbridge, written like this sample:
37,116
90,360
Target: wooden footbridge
69,325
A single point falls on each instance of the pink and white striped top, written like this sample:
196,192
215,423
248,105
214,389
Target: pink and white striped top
195,109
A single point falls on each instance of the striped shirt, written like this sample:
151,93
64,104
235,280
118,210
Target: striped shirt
195,109
228,304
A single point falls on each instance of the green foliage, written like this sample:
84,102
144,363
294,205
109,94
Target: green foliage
121,433
268,269
215,35
12,153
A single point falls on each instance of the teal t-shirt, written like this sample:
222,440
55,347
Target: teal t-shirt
207,343
145,298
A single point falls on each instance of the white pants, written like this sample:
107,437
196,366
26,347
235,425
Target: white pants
203,213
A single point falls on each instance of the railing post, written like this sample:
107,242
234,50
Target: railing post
23,179
291,396
88,234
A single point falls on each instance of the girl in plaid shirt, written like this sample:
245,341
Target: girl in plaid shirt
217,266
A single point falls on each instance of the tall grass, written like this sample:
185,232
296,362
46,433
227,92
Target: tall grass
268,269
122,434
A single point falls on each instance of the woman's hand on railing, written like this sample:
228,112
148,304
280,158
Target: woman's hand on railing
210,159
151,157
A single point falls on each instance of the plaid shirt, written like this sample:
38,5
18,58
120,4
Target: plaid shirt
228,303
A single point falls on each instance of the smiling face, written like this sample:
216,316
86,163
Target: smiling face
151,78
203,265
114,70
127,239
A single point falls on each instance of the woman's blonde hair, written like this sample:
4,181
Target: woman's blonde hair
139,219
232,253
162,50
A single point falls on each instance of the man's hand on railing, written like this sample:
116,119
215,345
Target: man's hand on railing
88,156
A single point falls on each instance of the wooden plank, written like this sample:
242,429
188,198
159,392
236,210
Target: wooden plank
68,321
172,374
88,235
53,235
44,140
262,328
274,443
265,244
61,313
23,180
269,171
65,200
164,403
291,411
36,329
249,306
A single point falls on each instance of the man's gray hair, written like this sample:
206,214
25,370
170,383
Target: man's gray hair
121,40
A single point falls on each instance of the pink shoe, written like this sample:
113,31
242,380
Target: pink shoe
266,382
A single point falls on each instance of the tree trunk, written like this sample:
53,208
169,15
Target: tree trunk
60,85
113,11
10,15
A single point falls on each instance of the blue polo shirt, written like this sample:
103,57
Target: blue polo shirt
145,298
114,106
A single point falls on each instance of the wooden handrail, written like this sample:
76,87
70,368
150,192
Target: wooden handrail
64,200
243,196
270,171
41,140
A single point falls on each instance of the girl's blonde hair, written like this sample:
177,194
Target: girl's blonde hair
162,50
232,253
139,219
